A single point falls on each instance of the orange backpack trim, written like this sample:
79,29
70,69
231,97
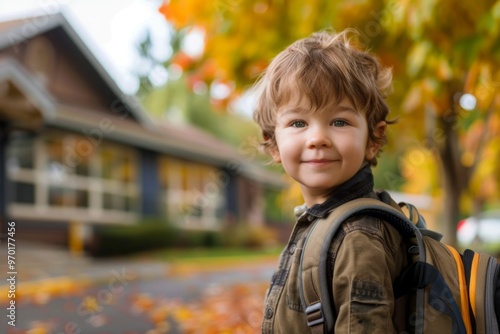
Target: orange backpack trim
473,282
464,299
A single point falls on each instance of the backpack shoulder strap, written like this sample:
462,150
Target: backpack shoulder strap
313,279
408,209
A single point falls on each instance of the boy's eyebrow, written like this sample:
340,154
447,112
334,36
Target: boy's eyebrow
346,108
294,110
299,110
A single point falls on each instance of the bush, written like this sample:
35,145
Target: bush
249,236
151,234
117,240
197,238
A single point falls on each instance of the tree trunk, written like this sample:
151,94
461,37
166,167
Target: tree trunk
451,209
455,181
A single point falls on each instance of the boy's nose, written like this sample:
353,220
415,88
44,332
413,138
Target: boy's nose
318,137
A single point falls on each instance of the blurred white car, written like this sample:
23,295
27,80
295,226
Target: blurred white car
483,230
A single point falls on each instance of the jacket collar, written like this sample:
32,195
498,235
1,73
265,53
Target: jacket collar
360,185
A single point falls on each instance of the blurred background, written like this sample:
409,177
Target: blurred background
128,152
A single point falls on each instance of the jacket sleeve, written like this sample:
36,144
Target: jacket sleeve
365,267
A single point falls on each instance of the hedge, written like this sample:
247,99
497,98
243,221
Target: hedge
120,240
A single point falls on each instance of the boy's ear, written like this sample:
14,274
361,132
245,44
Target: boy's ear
275,154
373,147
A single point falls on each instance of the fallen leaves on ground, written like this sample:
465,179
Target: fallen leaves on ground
216,308
235,309
220,309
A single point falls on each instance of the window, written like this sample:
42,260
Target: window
131,203
54,149
117,165
20,165
24,193
191,194
82,198
69,154
67,197
119,174
57,196
83,151
112,201
185,169
66,170
21,151
119,202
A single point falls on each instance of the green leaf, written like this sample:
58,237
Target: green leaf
418,57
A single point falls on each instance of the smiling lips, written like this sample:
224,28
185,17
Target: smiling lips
319,162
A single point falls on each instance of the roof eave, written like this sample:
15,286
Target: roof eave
35,26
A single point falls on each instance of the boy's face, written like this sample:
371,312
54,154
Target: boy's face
323,149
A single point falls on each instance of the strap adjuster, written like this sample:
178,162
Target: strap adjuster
314,314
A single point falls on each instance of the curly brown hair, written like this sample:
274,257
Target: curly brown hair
323,69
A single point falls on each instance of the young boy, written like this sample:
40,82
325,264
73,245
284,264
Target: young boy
322,111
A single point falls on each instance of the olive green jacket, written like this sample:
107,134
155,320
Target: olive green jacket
367,255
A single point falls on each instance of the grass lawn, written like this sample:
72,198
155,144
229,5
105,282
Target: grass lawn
200,259
200,254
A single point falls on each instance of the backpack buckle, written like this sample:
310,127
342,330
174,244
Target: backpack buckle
314,314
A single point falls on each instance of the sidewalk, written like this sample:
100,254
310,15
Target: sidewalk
43,269
56,291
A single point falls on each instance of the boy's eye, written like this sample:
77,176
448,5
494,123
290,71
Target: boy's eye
298,124
339,122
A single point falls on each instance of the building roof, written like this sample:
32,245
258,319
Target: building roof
37,98
133,127
20,30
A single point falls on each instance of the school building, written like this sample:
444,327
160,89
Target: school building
76,152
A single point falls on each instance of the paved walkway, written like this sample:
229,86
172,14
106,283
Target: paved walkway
47,269
55,290
41,267
40,261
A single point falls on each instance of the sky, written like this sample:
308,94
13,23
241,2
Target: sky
111,28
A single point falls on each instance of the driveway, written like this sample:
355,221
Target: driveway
60,293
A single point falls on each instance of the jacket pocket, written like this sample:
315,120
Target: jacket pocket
369,309
292,286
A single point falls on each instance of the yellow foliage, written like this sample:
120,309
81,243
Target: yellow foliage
485,181
185,13
37,330
228,309
438,49
142,302
241,34
291,196
90,304
444,72
486,87
418,167
413,99
183,313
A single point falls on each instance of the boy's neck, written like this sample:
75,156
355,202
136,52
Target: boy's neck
360,185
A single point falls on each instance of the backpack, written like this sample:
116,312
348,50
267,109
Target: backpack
444,291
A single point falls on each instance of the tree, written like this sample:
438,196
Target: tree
442,53
241,36
451,66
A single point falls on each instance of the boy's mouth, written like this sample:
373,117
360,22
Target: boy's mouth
319,161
